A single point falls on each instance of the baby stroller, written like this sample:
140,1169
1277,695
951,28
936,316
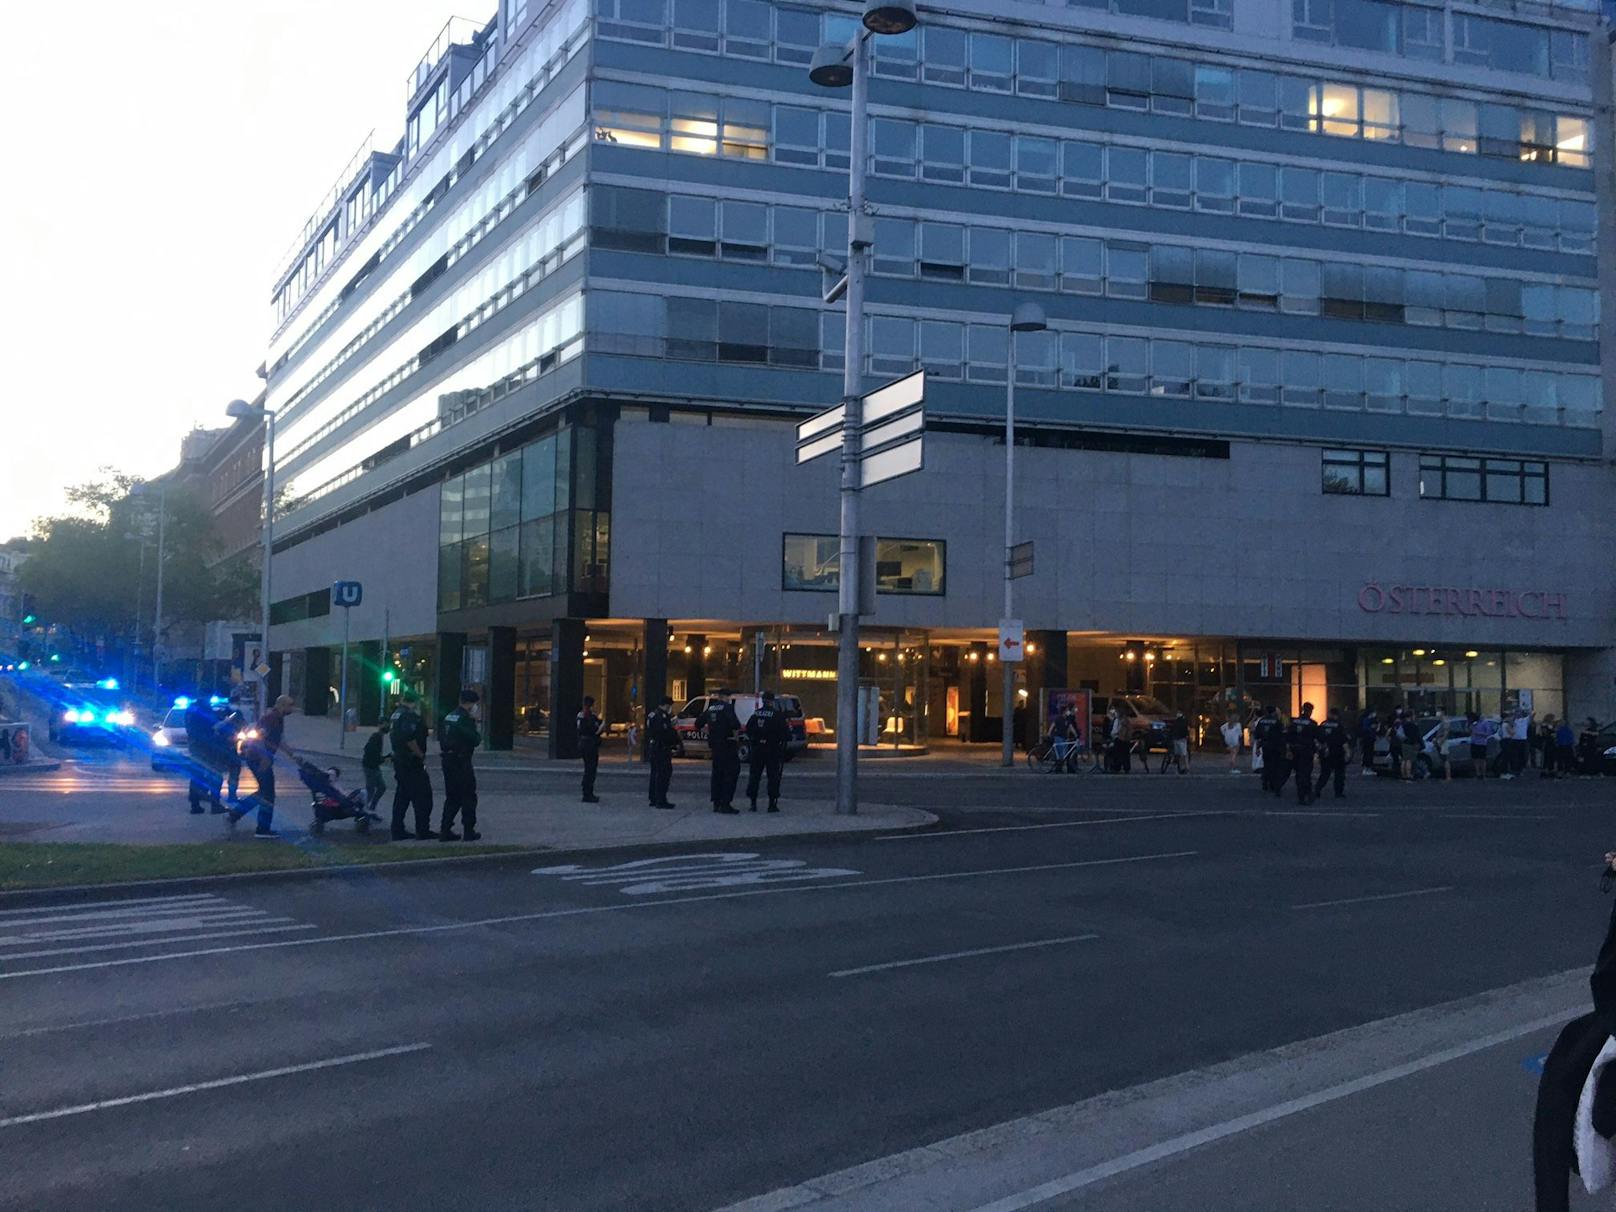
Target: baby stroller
329,802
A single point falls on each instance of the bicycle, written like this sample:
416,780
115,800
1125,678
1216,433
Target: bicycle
1050,755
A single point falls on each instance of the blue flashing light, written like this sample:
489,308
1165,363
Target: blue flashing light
107,684
216,700
55,656
25,665
182,702
71,715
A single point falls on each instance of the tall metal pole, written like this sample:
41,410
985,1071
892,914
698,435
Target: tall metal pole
268,545
342,695
1007,747
157,624
847,654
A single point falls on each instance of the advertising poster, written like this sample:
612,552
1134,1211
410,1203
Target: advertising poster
1057,701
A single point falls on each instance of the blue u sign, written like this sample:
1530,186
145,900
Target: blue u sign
347,593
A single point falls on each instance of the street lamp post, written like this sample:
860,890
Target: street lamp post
144,490
1028,317
838,67
240,409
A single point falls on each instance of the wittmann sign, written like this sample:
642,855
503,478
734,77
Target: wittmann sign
1375,598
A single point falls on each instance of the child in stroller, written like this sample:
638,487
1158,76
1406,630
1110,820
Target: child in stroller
329,802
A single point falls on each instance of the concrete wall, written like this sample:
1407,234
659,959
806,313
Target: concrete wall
392,551
1132,543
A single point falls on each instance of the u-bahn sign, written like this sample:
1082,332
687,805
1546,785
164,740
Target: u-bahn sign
347,593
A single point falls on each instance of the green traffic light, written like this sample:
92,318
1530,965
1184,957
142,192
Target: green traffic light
56,656
24,664
28,620
389,676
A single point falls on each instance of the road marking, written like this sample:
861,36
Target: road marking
122,1018
954,955
239,1079
148,922
686,872
142,900
1058,1187
154,942
1385,896
1324,814
1109,820
544,915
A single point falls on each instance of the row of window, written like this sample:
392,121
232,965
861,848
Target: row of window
936,251
1164,84
980,59
1418,32
708,330
950,155
1442,477
902,566
520,80
544,246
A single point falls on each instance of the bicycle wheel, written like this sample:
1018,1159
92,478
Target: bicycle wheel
1037,754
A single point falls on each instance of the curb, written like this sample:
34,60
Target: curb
82,891
30,767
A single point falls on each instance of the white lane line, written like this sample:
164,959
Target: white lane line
1069,1183
1494,816
1322,815
112,906
1108,820
216,1084
151,942
954,955
1385,896
167,925
174,1012
544,915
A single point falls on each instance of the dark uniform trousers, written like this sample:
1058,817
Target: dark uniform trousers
661,760
1332,765
726,773
1302,764
764,758
589,750
459,791
413,788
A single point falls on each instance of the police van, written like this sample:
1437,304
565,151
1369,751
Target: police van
687,722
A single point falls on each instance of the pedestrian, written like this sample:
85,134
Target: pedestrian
1481,732
1439,749
766,734
723,729
1268,738
1565,750
1535,732
235,723
1335,744
204,755
1506,744
1545,741
371,761
661,739
1232,735
260,758
1121,743
413,789
458,738
1178,738
1588,748
1394,744
1368,734
590,727
1070,732
1302,739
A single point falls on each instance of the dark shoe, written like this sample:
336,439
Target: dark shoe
472,835
265,834
773,807
591,799
196,809
726,810
425,836
664,805
218,810
446,836
400,836
753,808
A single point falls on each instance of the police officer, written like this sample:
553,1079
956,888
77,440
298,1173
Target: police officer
458,736
590,726
1334,742
1302,738
766,735
235,723
661,739
1269,740
723,729
414,785
205,749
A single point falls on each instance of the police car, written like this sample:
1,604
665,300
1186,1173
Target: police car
170,747
94,714
692,732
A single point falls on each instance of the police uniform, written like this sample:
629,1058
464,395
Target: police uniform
414,787
722,727
230,745
1335,741
1269,739
205,755
766,735
661,739
589,730
1303,738
458,736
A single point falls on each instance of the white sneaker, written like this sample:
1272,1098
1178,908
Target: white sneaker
1233,771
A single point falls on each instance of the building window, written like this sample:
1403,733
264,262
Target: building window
1500,481
1357,473
902,566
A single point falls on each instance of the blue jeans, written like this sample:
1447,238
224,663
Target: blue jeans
263,770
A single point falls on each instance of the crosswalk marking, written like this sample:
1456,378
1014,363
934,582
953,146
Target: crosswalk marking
142,922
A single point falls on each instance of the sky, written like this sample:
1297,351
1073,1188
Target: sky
162,158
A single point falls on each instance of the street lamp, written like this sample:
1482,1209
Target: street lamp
143,491
838,67
1027,317
240,409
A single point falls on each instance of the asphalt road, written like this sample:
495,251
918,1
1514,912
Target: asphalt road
702,1028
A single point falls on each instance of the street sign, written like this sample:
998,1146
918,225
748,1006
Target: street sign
908,392
892,463
1021,560
891,430
261,669
1011,638
820,434
347,594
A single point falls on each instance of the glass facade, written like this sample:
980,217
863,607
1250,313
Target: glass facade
907,566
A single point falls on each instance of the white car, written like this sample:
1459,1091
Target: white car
693,736
170,747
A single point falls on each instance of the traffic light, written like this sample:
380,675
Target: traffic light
389,676
28,620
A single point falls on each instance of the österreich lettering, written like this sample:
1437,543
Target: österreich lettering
1469,601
